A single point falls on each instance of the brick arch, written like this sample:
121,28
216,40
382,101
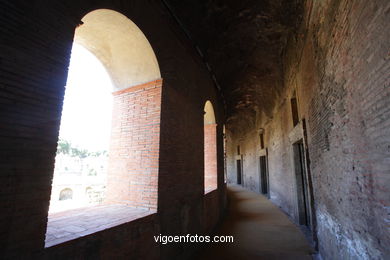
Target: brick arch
47,38
66,194
134,146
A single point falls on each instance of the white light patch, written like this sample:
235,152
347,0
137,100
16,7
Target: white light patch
87,110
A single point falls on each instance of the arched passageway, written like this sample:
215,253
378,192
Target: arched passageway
311,76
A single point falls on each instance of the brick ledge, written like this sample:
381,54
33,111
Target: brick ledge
153,83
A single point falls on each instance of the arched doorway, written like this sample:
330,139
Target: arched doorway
66,194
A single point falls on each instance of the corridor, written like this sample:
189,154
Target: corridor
260,230
280,97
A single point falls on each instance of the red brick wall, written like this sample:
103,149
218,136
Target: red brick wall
33,69
134,146
210,157
338,67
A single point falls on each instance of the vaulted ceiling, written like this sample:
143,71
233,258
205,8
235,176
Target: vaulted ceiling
243,41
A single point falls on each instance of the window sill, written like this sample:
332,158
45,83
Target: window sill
209,190
73,224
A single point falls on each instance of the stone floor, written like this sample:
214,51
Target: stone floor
72,224
260,230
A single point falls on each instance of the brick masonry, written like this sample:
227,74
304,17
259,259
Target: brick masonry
134,146
34,56
338,65
210,157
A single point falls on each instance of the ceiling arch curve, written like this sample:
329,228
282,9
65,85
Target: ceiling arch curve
209,116
121,47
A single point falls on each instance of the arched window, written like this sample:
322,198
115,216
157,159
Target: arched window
132,170
85,127
129,59
210,149
133,153
66,194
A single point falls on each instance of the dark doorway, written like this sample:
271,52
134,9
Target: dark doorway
301,184
263,175
294,111
239,172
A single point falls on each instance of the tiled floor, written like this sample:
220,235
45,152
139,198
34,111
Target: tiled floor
72,224
260,231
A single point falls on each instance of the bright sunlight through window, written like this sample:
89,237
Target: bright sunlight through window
81,162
